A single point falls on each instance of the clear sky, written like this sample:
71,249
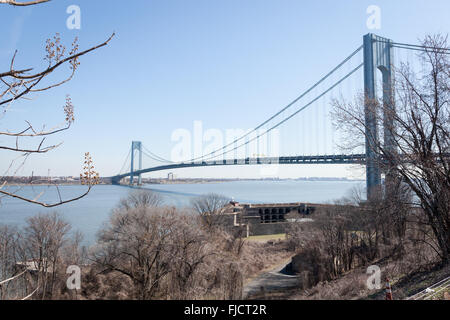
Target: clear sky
227,63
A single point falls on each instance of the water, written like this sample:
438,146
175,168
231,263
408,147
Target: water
89,213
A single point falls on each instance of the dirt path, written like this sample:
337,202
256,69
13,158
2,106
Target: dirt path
271,281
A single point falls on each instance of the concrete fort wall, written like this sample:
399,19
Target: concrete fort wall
256,228
266,219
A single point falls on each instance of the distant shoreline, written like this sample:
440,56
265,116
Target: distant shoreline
182,181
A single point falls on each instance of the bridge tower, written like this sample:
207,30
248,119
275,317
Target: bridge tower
136,145
378,54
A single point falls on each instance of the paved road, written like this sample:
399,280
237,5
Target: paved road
274,280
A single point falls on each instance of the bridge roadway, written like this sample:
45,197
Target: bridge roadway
324,159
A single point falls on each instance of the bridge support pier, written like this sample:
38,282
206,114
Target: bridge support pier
136,145
378,54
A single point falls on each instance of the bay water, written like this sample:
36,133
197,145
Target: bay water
89,213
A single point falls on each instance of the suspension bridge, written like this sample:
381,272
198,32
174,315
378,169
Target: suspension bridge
304,126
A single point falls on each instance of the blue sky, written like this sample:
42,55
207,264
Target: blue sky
229,64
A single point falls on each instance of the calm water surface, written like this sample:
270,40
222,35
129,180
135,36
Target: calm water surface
88,214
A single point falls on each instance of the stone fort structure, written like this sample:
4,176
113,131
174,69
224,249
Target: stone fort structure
265,219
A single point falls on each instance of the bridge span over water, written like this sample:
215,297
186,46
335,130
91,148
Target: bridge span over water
323,159
375,57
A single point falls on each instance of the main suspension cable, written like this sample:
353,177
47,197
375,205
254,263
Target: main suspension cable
154,156
292,115
126,160
285,108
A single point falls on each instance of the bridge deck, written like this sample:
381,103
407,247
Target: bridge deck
324,159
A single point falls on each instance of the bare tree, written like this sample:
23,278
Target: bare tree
419,134
211,208
33,259
9,247
163,253
16,84
24,3
140,198
191,253
44,237
159,249
136,245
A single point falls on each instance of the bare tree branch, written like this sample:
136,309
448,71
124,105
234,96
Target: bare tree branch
22,4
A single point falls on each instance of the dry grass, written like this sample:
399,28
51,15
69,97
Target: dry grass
266,238
352,284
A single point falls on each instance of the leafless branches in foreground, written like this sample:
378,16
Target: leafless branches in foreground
20,84
23,3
